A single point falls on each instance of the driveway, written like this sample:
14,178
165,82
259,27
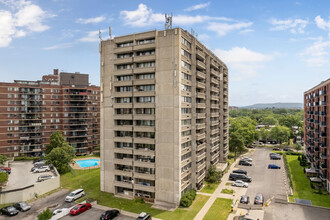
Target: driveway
21,176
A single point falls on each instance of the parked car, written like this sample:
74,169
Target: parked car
144,216
244,163
110,214
9,211
57,211
259,199
7,169
37,160
75,195
22,206
237,176
273,166
240,183
44,177
240,171
277,149
41,169
250,146
245,199
242,217
275,157
41,162
287,149
247,159
77,209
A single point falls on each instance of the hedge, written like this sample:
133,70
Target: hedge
3,177
25,158
188,198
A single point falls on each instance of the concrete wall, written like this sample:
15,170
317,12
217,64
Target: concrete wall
29,192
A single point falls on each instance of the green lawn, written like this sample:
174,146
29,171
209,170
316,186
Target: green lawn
227,191
220,210
301,184
209,187
89,180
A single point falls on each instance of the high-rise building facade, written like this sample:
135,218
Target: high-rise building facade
30,111
317,126
164,114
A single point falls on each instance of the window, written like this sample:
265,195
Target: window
146,88
185,65
146,99
145,134
9,95
126,44
123,111
185,42
10,89
145,123
185,110
124,100
186,156
145,53
185,53
185,99
185,88
187,144
123,144
145,64
145,41
124,55
124,78
124,89
123,133
186,122
148,111
185,76
124,66
146,76
124,122
185,133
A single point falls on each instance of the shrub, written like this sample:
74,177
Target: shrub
97,154
3,177
188,198
45,215
25,158
139,200
213,176
299,158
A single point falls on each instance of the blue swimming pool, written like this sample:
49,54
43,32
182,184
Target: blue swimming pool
88,163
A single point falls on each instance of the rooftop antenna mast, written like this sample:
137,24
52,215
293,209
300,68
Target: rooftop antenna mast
100,36
110,32
168,21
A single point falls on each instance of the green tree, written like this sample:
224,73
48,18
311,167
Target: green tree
264,134
45,215
213,176
3,177
280,133
56,140
269,120
236,143
61,154
3,159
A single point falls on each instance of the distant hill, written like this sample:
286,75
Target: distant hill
274,105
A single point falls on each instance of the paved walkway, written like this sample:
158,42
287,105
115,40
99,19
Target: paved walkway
235,197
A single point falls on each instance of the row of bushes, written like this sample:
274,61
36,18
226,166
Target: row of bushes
25,158
287,168
3,177
188,198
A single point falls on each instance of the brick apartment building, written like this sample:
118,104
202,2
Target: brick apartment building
30,111
164,115
317,127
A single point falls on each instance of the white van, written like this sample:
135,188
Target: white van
74,195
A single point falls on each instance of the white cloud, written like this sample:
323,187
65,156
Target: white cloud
92,36
244,63
91,20
316,54
197,7
223,28
144,16
58,46
22,18
296,26
322,24
246,31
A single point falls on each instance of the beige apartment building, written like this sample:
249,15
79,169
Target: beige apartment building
164,115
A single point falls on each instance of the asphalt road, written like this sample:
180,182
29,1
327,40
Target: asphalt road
269,182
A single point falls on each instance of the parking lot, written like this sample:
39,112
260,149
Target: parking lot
92,214
21,175
269,182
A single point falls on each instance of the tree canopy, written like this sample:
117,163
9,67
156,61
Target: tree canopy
3,159
56,140
236,142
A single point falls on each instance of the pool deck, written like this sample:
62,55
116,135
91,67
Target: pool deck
77,167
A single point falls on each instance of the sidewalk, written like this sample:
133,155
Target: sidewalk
235,197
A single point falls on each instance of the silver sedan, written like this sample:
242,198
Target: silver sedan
240,183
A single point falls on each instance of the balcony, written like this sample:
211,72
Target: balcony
127,173
201,177
200,166
200,126
146,175
128,185
201,156
201,105
200,65
200,85
200,146
144,163
201,95
201,75
142,186
200,136
125,161
323,166
200,54
201,115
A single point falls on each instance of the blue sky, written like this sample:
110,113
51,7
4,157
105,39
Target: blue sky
275,50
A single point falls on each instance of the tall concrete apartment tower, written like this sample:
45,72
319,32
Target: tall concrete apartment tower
317,126
164,114
30,111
